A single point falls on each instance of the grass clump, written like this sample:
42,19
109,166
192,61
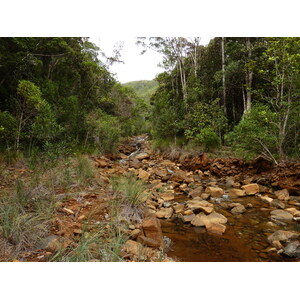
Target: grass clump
103,244
129,197
84,170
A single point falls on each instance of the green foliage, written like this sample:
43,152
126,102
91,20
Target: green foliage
143,88
84,170
256,133
129,199
8,128
208,138
104,130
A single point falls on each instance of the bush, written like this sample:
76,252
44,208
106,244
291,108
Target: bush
256,133
104,130
208,138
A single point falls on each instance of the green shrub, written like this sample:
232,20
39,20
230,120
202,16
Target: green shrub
104,130
208,138
256,133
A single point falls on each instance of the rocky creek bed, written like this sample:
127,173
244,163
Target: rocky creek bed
197,209
208,216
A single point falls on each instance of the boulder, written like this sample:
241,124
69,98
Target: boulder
292,250
282,236
251,189
135,163
204,196
278,204
165,213
266,199
178,208
214,218
198,220
180,176
216,228
200,204
295,212
152,228
188,218
146,241
132,247
239,209
143,174
135,233
196,192
280,214
235,193
282,195
168,196
214,191
141,156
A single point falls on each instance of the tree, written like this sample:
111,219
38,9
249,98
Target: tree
279,66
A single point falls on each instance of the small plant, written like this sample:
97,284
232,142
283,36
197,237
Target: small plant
129,197
84,170
103,244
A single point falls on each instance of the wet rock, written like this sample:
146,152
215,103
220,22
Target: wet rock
164,213
196,192
295,212
200,204
282,195
292,250
229,182
235,193
214,191
198,220
188,218
251,189
277,244
214,218
280,214
239,209
282,236
266,199
278,204
216,228
141,156
152,228
149,242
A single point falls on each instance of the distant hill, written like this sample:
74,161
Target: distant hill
144,88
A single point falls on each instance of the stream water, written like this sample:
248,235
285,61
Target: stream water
245,238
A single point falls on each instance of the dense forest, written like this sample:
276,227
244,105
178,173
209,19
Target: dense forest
238,92
241,92
56,93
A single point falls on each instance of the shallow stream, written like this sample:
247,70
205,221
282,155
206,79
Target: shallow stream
245,238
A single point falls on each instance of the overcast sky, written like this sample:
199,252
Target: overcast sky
136,66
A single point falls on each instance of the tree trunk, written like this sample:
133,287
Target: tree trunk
223,76
249,77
